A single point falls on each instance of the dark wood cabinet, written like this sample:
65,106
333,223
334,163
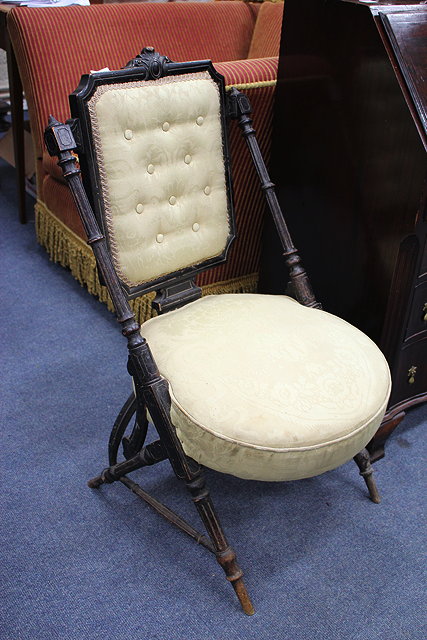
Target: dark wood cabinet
350,164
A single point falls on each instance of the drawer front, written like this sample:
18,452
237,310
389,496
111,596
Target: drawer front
410,373
418,316
423,269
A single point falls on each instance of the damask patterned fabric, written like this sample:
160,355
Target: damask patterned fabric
265,388
160,157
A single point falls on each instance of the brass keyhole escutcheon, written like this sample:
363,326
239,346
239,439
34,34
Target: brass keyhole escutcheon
425,312
411,374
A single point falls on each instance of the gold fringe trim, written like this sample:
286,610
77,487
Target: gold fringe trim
243,284
69,250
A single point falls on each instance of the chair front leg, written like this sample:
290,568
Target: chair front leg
154,391
225,554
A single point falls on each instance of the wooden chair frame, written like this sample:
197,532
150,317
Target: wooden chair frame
151,389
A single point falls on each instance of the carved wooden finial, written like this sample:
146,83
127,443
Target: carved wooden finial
58,137
151,61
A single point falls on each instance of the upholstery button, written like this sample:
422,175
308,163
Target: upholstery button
196,226
200,120
166,126
139,208
159,237
150,168
128,134
187,159
172,200
207,190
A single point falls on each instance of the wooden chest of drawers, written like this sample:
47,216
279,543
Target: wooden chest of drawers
349,161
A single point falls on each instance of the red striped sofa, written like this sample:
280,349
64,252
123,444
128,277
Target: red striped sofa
55,46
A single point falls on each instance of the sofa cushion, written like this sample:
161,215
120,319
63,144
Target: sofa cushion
265,388
267,32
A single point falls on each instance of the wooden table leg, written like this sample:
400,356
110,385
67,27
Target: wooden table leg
15,88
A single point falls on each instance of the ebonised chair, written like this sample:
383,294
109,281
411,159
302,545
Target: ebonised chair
258,386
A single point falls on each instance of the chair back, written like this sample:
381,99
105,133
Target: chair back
155,161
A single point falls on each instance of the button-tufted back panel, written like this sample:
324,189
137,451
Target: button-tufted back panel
160,155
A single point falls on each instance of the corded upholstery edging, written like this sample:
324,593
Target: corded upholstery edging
252,85
241,443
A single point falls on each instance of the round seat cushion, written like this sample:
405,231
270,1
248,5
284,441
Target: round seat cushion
265,388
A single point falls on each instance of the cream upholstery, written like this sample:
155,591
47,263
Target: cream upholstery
267,389
159,148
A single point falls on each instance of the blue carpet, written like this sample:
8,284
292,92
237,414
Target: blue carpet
321,561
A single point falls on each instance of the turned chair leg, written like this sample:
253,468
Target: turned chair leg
363,461
225,554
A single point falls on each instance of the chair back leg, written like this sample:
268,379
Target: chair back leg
363,461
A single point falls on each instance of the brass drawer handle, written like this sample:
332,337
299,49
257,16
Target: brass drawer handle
411,374
425,312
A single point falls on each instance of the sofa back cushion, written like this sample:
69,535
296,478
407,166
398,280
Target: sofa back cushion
55,46
267,32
